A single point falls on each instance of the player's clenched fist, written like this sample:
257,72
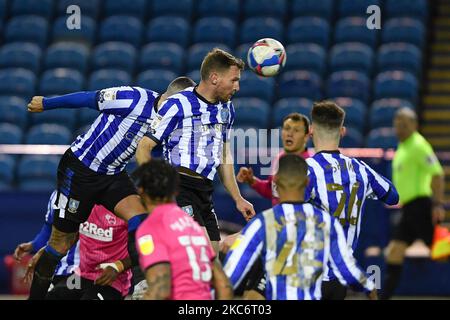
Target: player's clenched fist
36,104
245,175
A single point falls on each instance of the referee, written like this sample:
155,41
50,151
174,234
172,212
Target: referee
195,127
419,179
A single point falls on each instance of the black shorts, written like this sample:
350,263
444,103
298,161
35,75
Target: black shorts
333,290
86,290
80,188
416,222
256,278
195,198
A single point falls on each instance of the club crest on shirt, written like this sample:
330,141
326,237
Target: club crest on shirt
224,114
189,210
146,245
73,205
111,219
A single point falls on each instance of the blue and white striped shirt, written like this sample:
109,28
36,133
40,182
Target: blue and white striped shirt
295,242
111,141
193,131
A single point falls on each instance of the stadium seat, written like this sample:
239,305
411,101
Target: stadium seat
309,30
86,34
28,28
353,138
65,117
195,75
382,111
17,81
10,134
399,56
352,56
156,80
251,112
13,110
88,8
396,84
37,172
252,85
121,28
351,84
67,55
355,112
177,31
215,29
265,8
198,51
218,8
3,7
301,84
136,8
242,51
119,55
21,55
182,8
48,134
87,116
352,8
60,81
107,78
285,106
254,29
354,29
407,8
7,166
160,55
322,8
404,30
308,56
43,8
382,138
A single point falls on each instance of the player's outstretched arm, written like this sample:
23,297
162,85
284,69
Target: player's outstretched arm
159,282
221,283
81,99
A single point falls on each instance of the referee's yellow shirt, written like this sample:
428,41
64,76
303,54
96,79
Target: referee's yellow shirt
413,167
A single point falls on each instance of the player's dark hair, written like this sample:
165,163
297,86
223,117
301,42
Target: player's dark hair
157,178
179,84
292,165
327,114
219,60
295,116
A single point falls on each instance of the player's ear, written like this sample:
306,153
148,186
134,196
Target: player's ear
214,77
343,131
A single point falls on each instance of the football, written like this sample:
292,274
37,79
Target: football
266,57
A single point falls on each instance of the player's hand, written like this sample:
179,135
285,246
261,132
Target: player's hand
373,295
246,208
438,214
245,175
139,290
36,104
108,276
28,277
226,243
22,249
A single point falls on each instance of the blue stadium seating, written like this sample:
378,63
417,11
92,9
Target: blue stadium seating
156,80
407,8
121,28
48,134
242,51
183,8
218,8
86,34
251,112
355,112
29,28
396,84
88,8
10,134
354,29
177,31
254,29
107,78
136,8
195,75
37,172
13,110
64,117
87,116
382,112
67,55
7,166
353,138
43,8
351,56
21,55
309,29
308,56
351,84
400,56
17,81
215,29
162,55
3,6
252,85
352,8
285,106
404,30
198,51
60,81
265,8
381,138
303,84
322,8
119,55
